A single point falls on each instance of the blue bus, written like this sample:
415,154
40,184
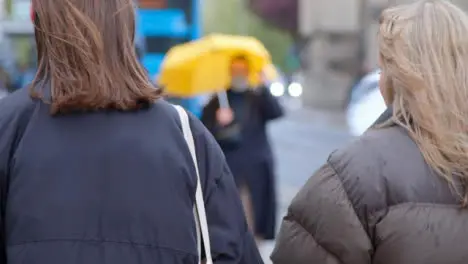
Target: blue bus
162,24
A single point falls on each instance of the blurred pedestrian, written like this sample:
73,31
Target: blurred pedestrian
94,166
399,194
240,129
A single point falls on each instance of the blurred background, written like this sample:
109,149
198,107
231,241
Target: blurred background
325,53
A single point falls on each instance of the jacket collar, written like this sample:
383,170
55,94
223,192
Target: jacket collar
385,116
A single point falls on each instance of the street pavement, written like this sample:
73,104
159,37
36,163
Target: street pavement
302,142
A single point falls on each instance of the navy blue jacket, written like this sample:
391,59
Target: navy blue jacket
111,188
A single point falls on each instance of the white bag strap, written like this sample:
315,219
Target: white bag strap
199,208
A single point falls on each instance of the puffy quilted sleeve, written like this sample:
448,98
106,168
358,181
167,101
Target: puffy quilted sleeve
322,227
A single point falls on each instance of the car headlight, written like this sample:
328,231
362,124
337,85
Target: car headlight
277,89
295,89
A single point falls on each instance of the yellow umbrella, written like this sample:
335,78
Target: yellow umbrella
202,66
270,73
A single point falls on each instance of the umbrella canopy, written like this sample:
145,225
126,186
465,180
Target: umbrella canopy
270,73
202,66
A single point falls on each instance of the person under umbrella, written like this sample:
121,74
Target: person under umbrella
238,119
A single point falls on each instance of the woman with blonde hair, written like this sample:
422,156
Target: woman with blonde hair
96,169
398,194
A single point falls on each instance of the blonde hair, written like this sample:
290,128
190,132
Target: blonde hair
424,57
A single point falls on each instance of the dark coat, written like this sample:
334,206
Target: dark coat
111,188
375,201
251,158
253,110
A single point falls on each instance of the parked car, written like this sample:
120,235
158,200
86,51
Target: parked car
366,104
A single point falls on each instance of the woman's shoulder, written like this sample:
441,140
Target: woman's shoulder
376,168
384,168
169,114
359,168
165,108
15,107
377,147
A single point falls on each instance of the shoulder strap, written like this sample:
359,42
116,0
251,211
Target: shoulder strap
199,208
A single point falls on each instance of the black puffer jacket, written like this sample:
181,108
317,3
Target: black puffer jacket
375,202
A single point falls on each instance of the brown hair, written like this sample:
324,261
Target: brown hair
86,55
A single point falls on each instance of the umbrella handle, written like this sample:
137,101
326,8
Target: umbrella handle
223,99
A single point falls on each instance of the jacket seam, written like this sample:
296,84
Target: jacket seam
105,241
418,204
337,174
313,237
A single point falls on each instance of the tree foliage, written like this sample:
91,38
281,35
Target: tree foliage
231,17
279,13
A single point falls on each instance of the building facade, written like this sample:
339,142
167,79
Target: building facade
341,41
16,31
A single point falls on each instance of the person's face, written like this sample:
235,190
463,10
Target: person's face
239,69
239,74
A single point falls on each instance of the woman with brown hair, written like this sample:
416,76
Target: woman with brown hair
95,168
399,194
